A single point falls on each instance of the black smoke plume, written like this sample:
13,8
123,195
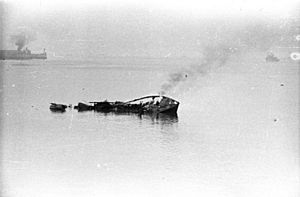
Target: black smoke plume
22,38
213,57
222,39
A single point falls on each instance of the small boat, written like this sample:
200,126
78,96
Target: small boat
148,104
58,107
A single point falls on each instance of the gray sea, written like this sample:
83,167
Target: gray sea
236,133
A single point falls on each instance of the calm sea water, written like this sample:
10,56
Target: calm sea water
236,133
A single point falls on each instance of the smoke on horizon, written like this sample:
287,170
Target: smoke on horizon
22,38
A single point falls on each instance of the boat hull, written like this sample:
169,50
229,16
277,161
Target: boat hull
148,104
169,107
170,110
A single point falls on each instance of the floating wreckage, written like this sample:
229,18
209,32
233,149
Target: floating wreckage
149,104
58,107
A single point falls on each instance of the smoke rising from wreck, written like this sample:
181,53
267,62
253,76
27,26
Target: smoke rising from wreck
22,38
213,57
220,41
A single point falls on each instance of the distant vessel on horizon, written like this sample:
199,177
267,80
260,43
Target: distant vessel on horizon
21,55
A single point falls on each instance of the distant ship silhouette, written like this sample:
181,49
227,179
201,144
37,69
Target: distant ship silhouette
21,55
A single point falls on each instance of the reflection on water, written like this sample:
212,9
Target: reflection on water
166,121
156,118
57,111
164,118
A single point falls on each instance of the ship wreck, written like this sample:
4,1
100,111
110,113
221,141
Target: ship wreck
155,104
21,54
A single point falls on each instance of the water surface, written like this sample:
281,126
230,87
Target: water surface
236,133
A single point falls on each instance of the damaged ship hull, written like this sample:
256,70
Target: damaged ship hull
148,104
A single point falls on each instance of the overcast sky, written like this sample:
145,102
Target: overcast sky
143,28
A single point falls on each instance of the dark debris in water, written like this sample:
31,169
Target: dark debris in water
145,105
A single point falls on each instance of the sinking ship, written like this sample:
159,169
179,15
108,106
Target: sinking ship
148,104
21,55
155,104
